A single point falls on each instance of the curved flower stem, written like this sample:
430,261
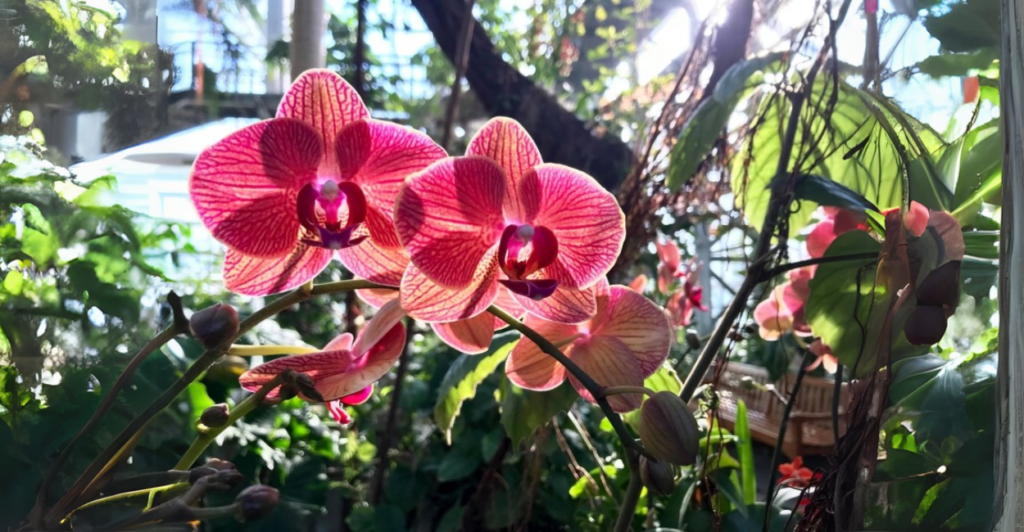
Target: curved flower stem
194,371
127,495
632,497
206,438
595,389
269,350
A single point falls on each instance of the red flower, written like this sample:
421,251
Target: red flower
795,475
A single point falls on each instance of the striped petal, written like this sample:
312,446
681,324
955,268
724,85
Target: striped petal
376,259
428,301
610,363
378,156
369,368
449,217
638,324
377,297
386,318
471,336
529,367
245,187
342,342
584,217
327,103
565,305
320,366
506,142
260,277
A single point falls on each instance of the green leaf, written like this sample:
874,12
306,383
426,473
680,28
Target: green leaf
13,282
462,460
711,117
977,277
100,193
984,245
950,64
966,26
463,377
524,411
827,192
745,450
838,304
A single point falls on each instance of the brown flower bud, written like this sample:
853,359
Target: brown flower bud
214,324
256,502
215,416
926,325
199,472
659,477
692,340
668,429
219,465
941,288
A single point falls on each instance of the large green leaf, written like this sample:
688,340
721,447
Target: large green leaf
966,26
841,297
861,146
827,192
524,411
949,64
463,377
711,117
745,450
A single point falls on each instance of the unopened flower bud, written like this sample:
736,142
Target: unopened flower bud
668,429
925,326
692,340
199,472
214,324
215,416
219,465
256,502
659,477
941,288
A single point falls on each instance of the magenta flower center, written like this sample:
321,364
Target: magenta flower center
332,213
523,251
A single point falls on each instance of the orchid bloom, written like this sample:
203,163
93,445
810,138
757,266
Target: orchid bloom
625,342
639,283
669,264
344,372
284,195
838,221
795,475
783,310
685,301
824,355
499,217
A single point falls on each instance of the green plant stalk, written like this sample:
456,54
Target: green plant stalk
127,495
194,372
595,389
206,438
269,350
745,451
632,496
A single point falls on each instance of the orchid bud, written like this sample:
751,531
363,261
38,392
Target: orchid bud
256,502
926,325
668,429
659,477
215,416
692,340
219,465
941,288
214,324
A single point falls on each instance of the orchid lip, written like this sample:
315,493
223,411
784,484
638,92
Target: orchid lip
318,212
524,250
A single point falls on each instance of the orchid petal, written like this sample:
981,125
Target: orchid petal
386,318
636,322
374,259
471,335
342,342
368,368
584,217
260,277
449,217
565,305
917,218
506,142
639,283
327,103
377,297
947,231
531,368
359,397
820,238
245,187
610,363
337,411
379,155
668,254
505,301
773,317
319,366
428,301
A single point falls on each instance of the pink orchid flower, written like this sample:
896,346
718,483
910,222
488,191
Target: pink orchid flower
501,217
344,372
682,304
824,355
783,310
639,283
669,264
625,342
838,221
287,194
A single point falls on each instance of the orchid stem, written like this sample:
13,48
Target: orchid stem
269,350
595,389
206,438
127,495
59,510
632,497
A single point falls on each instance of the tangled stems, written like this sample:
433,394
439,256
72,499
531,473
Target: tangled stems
110,453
